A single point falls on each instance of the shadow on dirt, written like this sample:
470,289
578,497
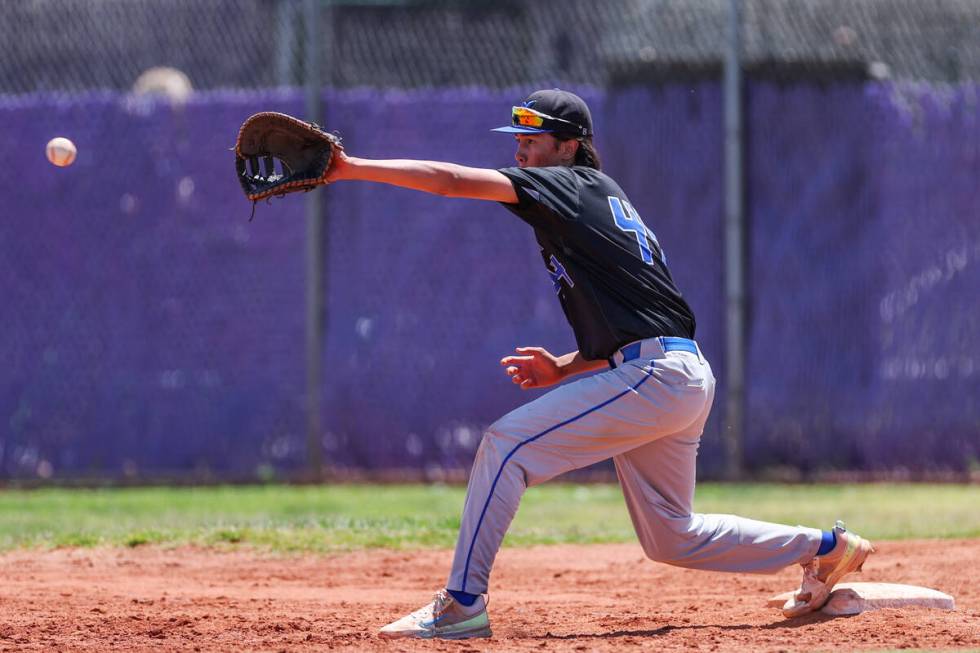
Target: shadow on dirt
666,630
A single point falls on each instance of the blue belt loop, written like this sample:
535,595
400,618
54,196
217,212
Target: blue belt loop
612,362
631,351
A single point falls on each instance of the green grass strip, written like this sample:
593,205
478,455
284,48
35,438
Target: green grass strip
347,517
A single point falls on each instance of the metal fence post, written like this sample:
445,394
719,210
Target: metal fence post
315,302
735,252
286,53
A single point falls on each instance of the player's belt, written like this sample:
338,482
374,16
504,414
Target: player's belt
652,348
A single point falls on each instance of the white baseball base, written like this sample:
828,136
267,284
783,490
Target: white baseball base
855,598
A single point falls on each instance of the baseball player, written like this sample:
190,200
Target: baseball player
645,407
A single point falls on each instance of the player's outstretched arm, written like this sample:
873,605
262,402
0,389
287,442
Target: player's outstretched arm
437,177
535,367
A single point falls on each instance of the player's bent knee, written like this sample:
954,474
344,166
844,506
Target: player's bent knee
494,445
502,446
502,435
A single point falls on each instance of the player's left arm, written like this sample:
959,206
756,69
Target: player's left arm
535,367
436,177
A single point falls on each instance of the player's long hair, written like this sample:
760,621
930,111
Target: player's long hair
586,154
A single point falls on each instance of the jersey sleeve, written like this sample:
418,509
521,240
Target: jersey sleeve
544,195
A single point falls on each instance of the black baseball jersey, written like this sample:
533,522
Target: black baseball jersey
607,267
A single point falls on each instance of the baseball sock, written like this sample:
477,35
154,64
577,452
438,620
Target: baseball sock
827,543
464,598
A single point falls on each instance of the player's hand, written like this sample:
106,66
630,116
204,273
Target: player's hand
534,367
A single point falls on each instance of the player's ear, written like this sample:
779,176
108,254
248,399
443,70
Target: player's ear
567,149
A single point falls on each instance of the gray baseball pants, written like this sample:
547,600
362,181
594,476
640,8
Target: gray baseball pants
647,414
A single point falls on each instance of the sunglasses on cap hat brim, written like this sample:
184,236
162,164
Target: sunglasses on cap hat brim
529,121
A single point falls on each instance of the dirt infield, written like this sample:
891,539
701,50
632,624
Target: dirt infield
559,598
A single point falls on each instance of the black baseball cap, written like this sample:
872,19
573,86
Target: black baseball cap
550,111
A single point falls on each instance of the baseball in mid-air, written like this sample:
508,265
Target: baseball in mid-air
61,151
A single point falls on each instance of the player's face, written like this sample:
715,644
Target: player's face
537,151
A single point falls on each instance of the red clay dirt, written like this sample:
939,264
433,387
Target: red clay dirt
554,598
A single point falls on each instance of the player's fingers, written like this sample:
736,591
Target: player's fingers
517,378
513,370
529,350
527,383
512,360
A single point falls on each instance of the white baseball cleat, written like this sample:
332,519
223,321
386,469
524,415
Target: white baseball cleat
444,618
823,572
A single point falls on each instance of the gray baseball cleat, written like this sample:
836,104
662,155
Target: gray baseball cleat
823,572
444,618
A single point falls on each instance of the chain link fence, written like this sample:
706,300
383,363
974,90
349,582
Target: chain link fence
75,45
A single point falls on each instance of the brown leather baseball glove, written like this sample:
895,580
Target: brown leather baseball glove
276,154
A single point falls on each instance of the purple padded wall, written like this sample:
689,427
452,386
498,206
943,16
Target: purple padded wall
865,249
149,329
